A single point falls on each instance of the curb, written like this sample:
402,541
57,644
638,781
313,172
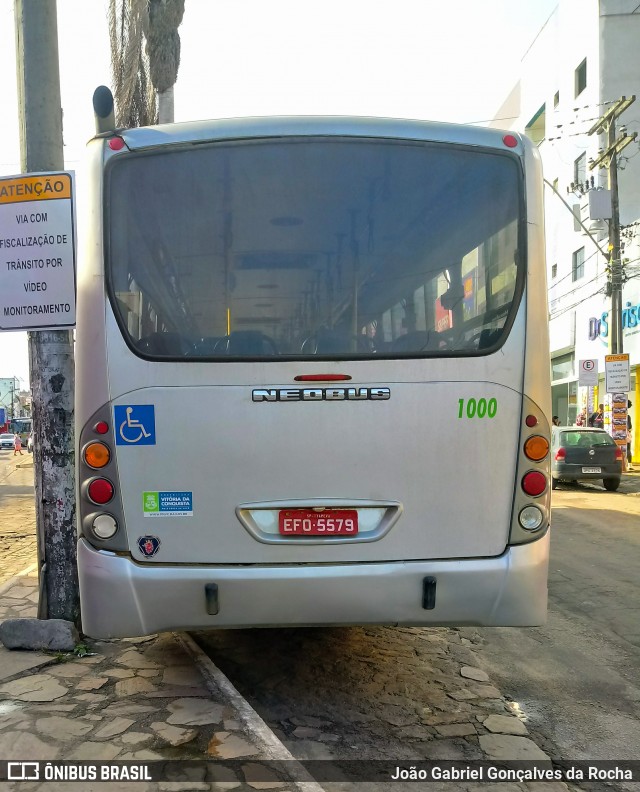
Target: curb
12,581
222,690
220,687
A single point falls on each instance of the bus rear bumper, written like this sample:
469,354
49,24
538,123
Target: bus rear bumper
121,598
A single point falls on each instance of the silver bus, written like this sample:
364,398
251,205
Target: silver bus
312,376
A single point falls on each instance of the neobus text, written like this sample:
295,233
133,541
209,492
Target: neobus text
320,394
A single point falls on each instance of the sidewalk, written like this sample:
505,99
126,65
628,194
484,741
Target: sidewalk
148,698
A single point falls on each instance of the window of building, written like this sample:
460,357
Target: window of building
580,169
554,271
562,367
536,128
577,266
556,98
581,77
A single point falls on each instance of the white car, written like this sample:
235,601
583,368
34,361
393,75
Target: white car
7,440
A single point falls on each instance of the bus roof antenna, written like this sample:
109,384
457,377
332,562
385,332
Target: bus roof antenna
103,110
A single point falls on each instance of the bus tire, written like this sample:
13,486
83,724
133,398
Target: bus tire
611,484
554,482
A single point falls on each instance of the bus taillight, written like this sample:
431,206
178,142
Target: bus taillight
104,526
536,448
534,483
102,427
100,491
97,455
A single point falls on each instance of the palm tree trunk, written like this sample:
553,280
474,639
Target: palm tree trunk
165,106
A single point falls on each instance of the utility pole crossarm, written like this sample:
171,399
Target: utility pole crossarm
612,113
617,146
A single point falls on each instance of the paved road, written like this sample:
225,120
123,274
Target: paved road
18,546
361,692
576,679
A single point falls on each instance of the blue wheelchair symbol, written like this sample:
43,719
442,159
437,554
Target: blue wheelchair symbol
135,424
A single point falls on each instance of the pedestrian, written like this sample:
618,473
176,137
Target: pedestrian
17,445
581,419
596,419
555,420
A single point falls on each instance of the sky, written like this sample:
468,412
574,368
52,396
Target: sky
425,59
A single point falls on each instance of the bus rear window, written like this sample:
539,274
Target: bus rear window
312,247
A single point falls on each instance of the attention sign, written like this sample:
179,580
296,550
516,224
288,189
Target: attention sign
37,252
616,369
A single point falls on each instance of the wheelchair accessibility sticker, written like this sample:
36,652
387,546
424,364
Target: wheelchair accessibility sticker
135,424
167,504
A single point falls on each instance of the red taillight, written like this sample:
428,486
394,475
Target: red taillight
102,427
531,420
619,454
534,483
510,141
100,491
561,454
116,143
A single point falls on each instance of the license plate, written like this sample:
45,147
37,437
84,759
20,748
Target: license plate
592,470
307,522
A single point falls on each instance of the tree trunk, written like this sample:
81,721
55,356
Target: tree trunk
165,106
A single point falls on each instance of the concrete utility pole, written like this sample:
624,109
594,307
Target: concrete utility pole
13,399
608,159
50,351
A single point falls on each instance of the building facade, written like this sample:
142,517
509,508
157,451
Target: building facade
583,60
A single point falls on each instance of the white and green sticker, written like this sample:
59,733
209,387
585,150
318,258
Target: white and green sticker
167,504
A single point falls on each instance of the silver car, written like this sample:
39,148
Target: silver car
584,454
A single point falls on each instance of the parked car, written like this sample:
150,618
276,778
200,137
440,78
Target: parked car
582,454
30,443
7,440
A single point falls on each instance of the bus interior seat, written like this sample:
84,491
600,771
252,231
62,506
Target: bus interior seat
246,342
328,342
206,346
488,338
417,341
166,344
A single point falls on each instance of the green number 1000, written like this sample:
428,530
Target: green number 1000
477,409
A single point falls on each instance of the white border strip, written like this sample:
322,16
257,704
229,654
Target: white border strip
272,748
